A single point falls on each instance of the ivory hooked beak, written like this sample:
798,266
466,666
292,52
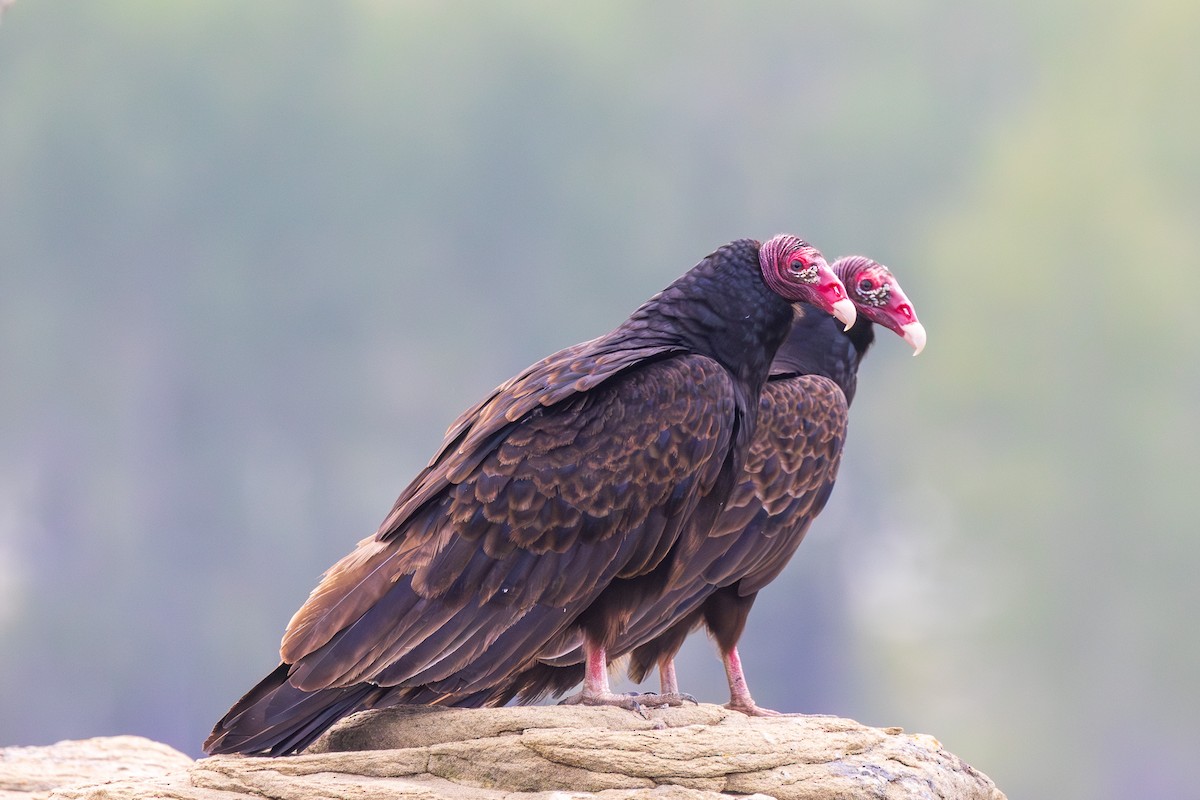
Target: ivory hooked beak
847,313
914,334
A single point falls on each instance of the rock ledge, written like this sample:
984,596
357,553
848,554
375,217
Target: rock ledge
545,752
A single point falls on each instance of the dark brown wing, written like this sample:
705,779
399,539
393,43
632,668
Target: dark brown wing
475,434
526,526
790,472
571,371
788,479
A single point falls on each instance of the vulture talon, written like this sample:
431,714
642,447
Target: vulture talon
669,699
754,710
609,699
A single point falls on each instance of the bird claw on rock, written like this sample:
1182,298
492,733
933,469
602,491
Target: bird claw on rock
671,699
754,710
624,701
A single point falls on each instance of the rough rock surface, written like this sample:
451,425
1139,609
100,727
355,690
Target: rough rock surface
546,752
28,771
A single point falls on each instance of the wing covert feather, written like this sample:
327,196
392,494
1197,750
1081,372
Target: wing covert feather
571,371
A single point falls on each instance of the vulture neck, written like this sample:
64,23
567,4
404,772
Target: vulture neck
817,345
720,308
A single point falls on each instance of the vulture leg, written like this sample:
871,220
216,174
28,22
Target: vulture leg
725,613
667,680
739,692
596,691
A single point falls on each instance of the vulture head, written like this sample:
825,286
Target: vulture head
877,295
796,271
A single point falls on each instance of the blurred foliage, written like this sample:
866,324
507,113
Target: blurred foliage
255,257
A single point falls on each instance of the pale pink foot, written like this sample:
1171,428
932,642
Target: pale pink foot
596,691
752,709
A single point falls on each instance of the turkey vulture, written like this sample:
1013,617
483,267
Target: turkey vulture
789,475
554,509
787,478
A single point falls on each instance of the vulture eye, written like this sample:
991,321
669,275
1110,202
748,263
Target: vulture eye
865,285
805,273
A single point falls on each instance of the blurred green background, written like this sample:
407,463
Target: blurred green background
254,257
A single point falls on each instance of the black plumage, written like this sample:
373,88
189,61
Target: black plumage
555,508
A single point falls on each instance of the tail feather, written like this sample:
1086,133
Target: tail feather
275,718
541,680
530,685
